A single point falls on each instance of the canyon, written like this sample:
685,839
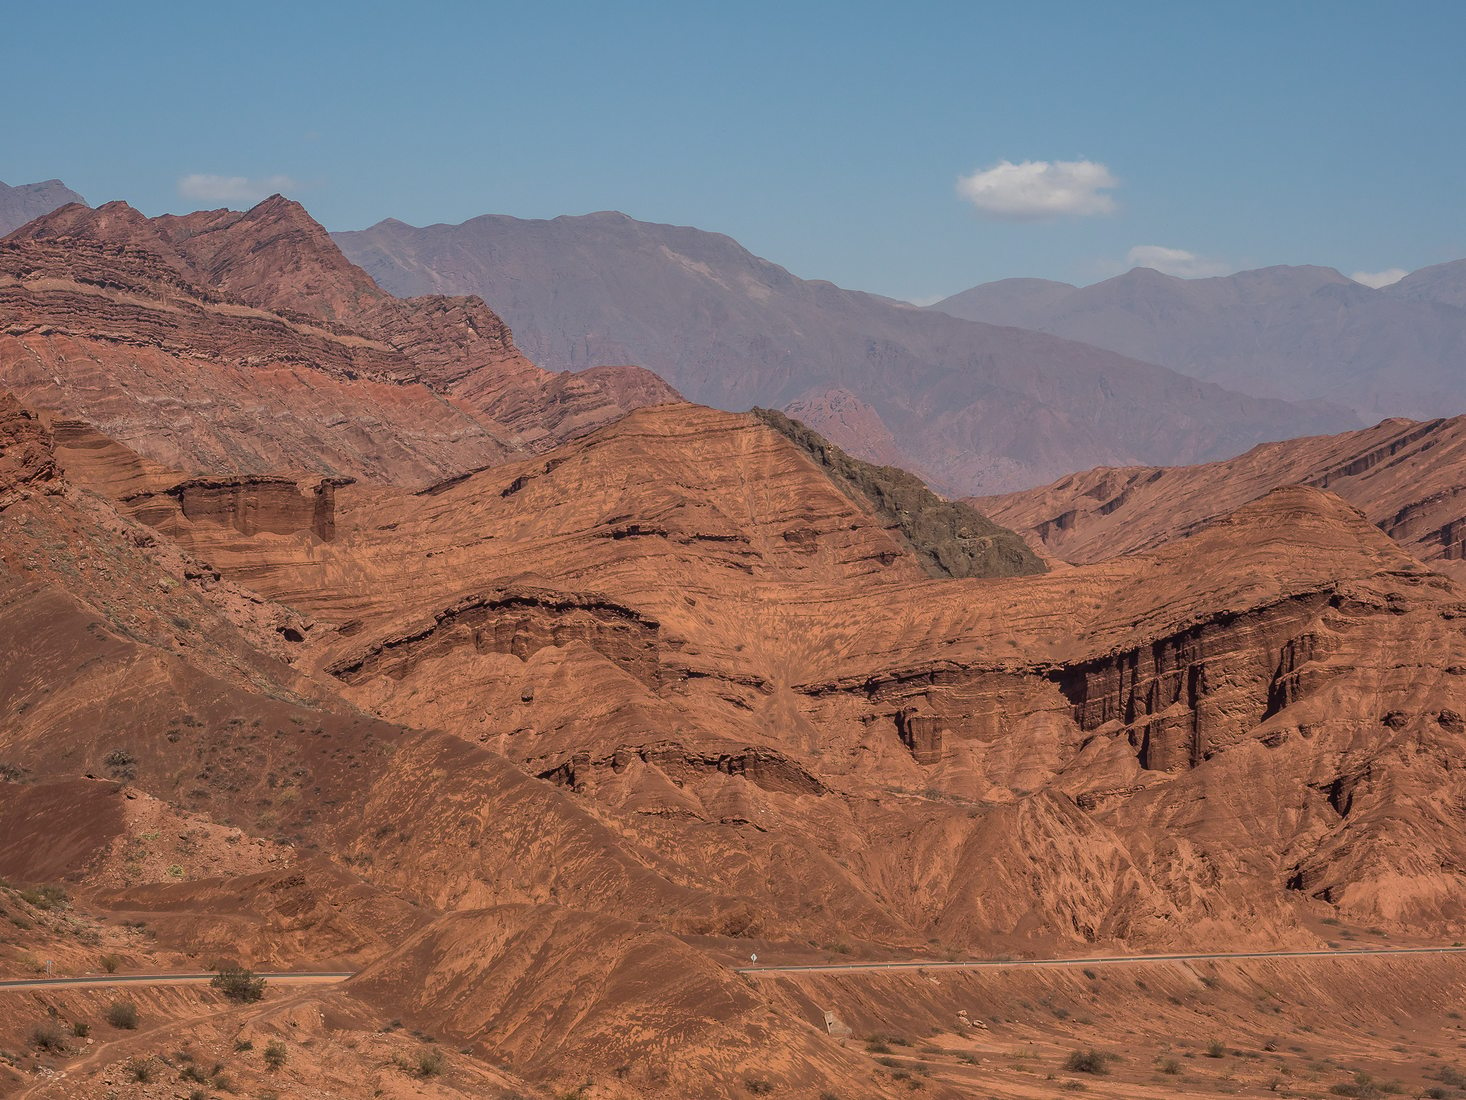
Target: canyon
343,637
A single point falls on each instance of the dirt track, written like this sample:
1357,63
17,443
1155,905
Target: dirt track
102,982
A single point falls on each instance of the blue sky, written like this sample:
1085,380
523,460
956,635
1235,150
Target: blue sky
828,137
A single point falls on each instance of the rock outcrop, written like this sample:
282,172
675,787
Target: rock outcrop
27,455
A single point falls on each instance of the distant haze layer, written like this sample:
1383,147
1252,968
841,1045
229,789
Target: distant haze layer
972,407
1298,333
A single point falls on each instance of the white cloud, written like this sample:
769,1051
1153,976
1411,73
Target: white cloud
1378,279
233,188
1038,190
1176,261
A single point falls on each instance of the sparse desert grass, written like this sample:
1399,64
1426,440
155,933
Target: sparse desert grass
49,897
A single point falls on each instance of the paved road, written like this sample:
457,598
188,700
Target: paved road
324,976
105,980
1108,960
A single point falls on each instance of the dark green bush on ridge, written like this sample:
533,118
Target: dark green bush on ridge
951,538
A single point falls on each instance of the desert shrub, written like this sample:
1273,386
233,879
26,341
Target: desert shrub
194,1073
49,1037
110,963
139,1070
45,897
81,1029
758,1086
1171,1067
431,1063
123,1014
1216,1049
275,1054
1087,1061
120,763
239,984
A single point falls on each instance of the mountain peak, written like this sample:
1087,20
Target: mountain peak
1443,284
79,220
273,255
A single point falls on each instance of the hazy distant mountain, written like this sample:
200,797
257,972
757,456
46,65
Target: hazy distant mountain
29,201
1300,333
1444,283
972,407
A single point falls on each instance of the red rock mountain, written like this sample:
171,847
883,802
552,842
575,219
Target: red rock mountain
625,712
1408,477
970,407
245,342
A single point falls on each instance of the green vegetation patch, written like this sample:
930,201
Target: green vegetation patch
952,539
